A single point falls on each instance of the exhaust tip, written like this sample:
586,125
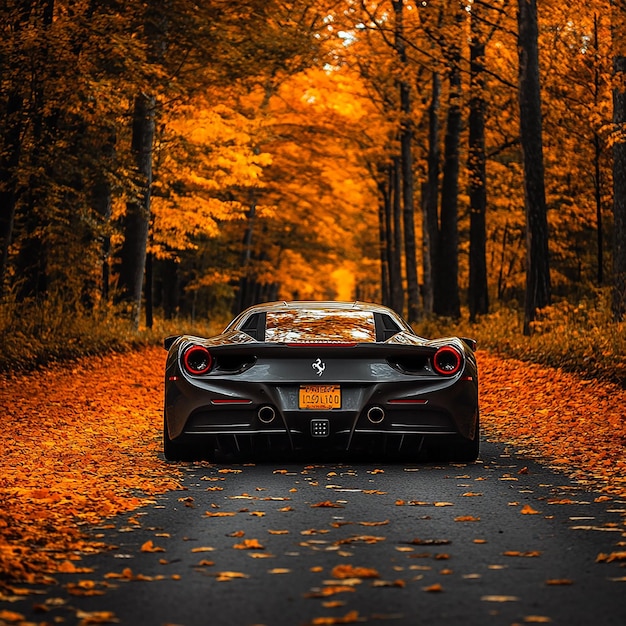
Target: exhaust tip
376,415
266,414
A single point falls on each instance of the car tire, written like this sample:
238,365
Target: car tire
174,451
467,450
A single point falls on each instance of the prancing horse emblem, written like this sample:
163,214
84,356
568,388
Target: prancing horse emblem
318,366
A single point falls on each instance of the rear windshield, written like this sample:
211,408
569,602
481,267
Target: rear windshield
319,325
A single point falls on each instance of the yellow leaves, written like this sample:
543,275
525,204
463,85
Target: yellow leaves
149,546
399,583
228,576
467,518
127,574
348,571
76,441
368,539
349,618
529,553
84,588
327,504
249,544
202,549
67,567
611,557
528,510
11,616
96,617
555,582
581,431
330,590
434,588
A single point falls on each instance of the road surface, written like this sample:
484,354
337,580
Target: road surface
503,541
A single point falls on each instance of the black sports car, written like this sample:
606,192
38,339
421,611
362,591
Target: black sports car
319,376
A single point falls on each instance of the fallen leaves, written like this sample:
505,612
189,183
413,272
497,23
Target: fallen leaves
580,428
74,429
349,618
249,544
611,557
327,504
528,510
149,546
346,571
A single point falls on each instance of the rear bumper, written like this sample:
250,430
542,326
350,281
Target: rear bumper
369,412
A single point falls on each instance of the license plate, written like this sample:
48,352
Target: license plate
320,397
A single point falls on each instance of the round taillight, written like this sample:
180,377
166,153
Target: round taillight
447,361
197,360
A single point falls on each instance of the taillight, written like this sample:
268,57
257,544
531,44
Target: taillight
197,360
447,361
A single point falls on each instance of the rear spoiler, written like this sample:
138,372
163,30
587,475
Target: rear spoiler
169,341
472,343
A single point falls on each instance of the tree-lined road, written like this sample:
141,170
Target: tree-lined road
503,541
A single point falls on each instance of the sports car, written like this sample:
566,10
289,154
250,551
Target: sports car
320,376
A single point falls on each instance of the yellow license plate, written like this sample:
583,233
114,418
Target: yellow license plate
320,397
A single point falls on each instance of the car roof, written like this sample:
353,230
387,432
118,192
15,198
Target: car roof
286,305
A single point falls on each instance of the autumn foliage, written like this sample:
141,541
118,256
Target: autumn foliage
82,445
190,159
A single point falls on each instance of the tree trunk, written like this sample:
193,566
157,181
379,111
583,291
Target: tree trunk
247,283
137,219
478,294
8,179
12,149
384,240
406,141
446,281
33,256
537,256
619,162
102,204
597,157
397,293
430,197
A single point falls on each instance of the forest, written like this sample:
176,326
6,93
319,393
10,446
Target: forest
453,159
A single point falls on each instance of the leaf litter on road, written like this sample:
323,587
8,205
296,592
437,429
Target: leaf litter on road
130,438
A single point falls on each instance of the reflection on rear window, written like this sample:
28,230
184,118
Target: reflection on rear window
315,325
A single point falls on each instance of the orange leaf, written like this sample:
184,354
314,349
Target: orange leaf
148,546
249,544
528,510
348,571
349,618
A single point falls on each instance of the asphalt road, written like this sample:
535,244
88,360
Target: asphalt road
503,541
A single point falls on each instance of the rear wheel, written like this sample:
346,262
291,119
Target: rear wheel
466,450
174,450
456,448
